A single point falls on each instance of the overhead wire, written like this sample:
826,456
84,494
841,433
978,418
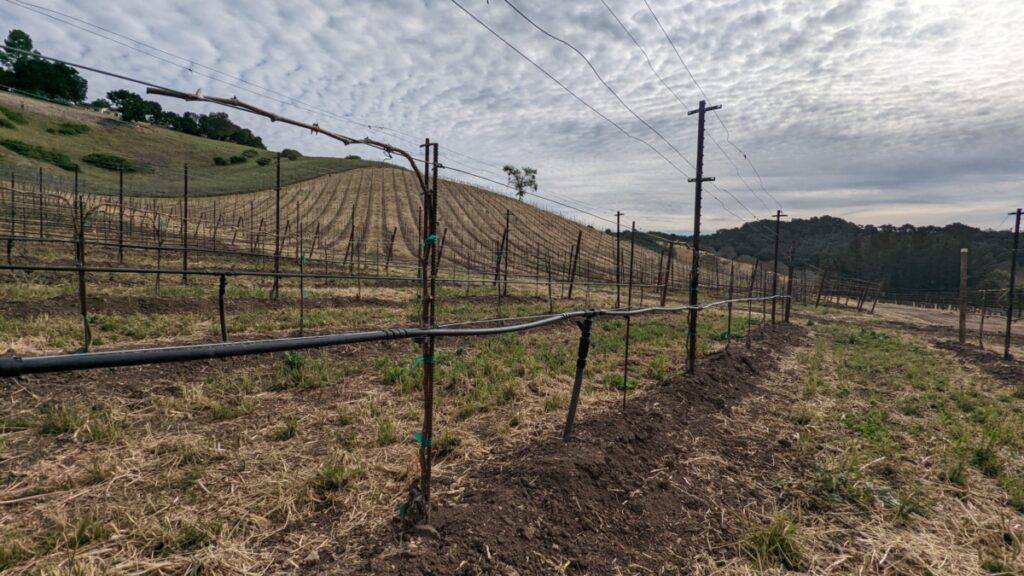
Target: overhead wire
285,99
615,94
704,94
149,84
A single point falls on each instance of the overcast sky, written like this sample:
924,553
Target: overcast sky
876,111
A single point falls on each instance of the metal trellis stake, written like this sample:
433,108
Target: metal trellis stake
581,365
629,319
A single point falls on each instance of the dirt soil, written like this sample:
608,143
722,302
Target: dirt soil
644,490
992,363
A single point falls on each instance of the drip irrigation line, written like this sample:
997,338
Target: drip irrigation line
14,366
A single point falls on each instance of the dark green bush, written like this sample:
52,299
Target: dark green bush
69,129
250,153
291,154
58,159
109,162
237,159
352,157
263,161
13,115
220,161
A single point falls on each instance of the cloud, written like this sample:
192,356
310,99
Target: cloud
885,111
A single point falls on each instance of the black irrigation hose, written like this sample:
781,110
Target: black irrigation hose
13,366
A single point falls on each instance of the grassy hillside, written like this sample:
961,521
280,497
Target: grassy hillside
36,134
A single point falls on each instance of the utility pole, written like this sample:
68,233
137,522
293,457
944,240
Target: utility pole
698,180
775,268
618,259
1013,282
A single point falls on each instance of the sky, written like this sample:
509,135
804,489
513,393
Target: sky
877,111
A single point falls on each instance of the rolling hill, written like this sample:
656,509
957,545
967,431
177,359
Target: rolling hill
349,209
157,154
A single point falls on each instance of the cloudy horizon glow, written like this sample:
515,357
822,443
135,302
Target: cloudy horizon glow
878,112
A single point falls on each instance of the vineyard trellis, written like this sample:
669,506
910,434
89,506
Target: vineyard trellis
199,224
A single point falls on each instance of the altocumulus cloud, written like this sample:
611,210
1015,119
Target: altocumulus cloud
877,110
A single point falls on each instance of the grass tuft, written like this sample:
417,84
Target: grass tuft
774,545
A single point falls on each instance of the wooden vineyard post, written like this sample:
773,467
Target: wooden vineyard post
275,291
120,215
668,273
551,301
159,250
575,262
984,310
1013,280
302,275
618,259
775,268
390,250
821,287
222,288
80,261
505,252
728,320
184,229
789,284
40,187
750,303
629,305
962,325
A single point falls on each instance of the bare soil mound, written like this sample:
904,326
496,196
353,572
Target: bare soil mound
992,363
631,489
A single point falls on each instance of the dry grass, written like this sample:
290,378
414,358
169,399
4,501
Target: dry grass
239,466
894,474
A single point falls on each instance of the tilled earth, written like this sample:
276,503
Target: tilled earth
1009,371
646,489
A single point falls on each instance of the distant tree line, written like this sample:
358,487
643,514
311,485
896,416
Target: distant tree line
903,257
216,126
62,83
37,76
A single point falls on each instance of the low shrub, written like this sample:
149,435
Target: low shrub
58,159
109,162
263,161
220,161
237,159
13,115
69,129
250,153
291,154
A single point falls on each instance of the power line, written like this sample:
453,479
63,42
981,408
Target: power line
567,89
600,79
728,136
285,99
587,104
607,86
191,66
665,84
